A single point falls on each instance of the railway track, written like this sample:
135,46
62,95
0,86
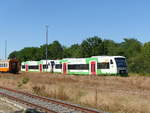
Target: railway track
44,104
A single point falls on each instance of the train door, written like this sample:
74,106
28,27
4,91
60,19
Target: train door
40,67
64,68
26,68
93,67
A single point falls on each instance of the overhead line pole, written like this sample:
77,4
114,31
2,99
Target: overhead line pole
5,49
46,46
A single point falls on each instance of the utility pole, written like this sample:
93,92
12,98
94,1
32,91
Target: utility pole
5,49
46,46
104,47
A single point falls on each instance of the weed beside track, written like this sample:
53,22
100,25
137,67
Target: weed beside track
108,93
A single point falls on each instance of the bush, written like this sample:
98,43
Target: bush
25,80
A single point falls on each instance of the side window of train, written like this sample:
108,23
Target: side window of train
23,66
111,62
103,65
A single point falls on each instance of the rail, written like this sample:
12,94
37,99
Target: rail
47,105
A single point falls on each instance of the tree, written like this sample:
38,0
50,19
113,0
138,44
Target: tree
109,47
137,54
136,64
131,47
72,52
13,54
42,51
55,50
66,52
146,51
146,57
91,47
29,53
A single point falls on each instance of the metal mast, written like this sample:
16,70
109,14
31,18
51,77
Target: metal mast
46,46
5,49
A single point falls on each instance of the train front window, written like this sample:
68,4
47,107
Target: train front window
121,62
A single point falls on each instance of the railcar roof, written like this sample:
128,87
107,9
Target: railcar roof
7,60
107,56
30,62
72,58
45,60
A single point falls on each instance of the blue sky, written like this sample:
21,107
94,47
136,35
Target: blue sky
22,22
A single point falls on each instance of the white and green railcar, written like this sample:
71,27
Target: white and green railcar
32,66
113,65
37,66
46,65
23,66
75,66
57,68
96,65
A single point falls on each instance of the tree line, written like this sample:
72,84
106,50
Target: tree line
137,53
